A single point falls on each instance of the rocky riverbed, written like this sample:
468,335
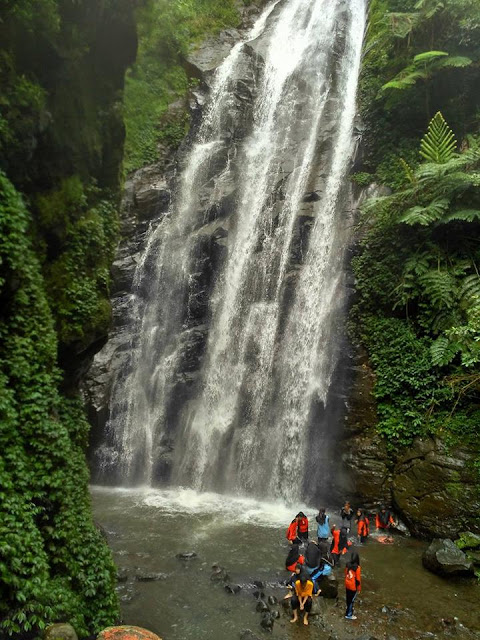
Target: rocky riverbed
183,597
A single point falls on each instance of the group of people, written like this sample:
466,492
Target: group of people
310,560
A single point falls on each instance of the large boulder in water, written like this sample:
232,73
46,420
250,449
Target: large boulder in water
127,632
446,559
329,586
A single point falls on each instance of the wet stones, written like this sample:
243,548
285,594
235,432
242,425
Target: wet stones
233,588
149,576
329,586
267,621
219,574
188,555
446,559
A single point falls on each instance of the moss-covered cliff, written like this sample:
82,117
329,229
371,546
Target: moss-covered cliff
62,65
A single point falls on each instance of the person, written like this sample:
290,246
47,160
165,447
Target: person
302,600
302,526
363,526
292,532
340,543
347,515
384,519
353,584
324,569
312,557
323,528
293,558
290,582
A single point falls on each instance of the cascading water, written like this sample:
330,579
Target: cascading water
247,272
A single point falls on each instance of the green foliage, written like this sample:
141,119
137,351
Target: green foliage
54,564
362,178
418,304
167,30
438,144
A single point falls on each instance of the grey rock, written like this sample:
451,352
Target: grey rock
122,574
188,555
446,559
262,606
60,631
267,621
272,600
329,586
233,588
149,576
247,634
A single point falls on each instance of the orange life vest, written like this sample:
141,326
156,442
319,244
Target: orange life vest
292,531
303,525
336,540
353,579
384,520
301,560
363,527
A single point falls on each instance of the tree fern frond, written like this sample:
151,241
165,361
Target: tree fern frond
438,144
430,7
409,172
455,61
401,24
443,351
466,215
406,78
470,289
424,216
428,56
439,287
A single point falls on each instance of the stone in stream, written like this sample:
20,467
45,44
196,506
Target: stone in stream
188,555
233,588
219,574
127,632
446,559
267,621
247,634
329,586
260,584
272,600
149,576
60,631
262,606
258,594
122,574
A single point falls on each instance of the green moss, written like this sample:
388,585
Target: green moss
167,30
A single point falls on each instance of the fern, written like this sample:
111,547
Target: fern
406,78
466,215
438,144
439,287
470,289
424,216
409,172
455,61
429,56
430,7
443,351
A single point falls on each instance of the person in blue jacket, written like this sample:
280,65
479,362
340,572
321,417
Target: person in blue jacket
323,528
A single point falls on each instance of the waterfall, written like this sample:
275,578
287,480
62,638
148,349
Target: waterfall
239,297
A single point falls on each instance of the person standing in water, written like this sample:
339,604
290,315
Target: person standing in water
292,532
346,514
302,600
302,531
340,543
323,528
384,519
353,584
363,526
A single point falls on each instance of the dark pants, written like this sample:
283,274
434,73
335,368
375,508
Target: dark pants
295,602
351,595
303,535
336,559
363,539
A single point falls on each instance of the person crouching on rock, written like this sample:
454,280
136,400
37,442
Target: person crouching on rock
302,600
340,543
292,532
293,558
353,584
384,519
312,557
363,526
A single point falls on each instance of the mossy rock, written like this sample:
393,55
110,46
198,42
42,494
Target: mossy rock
468,540
60,631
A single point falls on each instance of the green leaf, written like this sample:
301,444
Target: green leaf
428,56
438,144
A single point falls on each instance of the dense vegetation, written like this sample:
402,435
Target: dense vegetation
61,142
418,278
167,29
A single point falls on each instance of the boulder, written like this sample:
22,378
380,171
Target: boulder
329,586
233,588
262,606
468,540
127,632
267,621
272,600
60,631
446,559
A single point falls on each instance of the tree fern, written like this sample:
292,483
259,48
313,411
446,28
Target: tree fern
429,56
424,216
455,61
438,144
465,215
470,289
439,287
409,172
443,351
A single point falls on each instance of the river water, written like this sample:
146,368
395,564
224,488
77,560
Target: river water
146,528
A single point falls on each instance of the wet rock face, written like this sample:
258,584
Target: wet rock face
446,559
436,489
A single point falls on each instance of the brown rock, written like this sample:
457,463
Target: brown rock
60,631
127,632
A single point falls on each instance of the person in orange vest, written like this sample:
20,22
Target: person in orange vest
340,543
302,600
384,519
294,557
292,532
353,584
302,526
363,526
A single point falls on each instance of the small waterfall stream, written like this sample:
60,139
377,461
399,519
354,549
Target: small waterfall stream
239,297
